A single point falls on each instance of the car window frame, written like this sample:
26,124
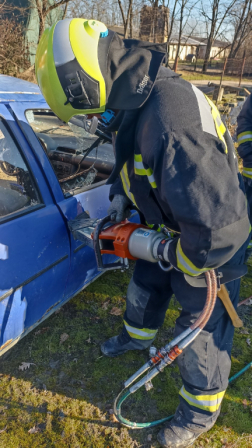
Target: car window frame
31,208
68,194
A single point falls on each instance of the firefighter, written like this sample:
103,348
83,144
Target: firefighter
244,139
175,162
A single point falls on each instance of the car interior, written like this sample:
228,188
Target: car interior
68,149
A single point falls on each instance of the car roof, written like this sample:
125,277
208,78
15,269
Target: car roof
15,89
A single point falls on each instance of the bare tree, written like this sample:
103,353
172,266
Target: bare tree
125,17
220,11
65,11
172,18
13,52
242,15
107,11
44,8
184,14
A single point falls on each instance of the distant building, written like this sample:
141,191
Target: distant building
30,21
219,48
189,45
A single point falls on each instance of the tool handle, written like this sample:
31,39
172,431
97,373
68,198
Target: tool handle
224,296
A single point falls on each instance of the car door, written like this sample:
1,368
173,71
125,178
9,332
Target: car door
34,242
93,198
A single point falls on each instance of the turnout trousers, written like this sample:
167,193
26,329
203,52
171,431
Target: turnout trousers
205,364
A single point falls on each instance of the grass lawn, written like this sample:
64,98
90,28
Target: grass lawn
65,397
194,76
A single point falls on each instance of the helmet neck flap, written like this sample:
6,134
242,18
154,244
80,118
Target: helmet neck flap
130,68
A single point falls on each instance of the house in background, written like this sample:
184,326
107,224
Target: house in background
219,48
188,45
30,21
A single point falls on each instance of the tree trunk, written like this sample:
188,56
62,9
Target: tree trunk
241,29
180,34
131,23
209,44
155,16
207,54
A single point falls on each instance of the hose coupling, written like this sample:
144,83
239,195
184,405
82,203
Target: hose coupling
152,351
148,385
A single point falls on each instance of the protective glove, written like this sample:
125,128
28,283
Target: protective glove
119,208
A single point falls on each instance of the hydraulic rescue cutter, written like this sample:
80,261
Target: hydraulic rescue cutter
131,241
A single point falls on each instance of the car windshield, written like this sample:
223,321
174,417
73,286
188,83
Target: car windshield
67,148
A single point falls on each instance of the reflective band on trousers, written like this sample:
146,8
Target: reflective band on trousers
210,403
244,137
247,172
140,333
141,171
220,127
126,183
157,227
184,264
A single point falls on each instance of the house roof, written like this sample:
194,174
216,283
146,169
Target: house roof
15,89
216,43
185,40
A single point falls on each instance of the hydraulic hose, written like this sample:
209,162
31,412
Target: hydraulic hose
166,356
122,397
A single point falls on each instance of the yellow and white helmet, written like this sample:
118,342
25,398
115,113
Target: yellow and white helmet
67,67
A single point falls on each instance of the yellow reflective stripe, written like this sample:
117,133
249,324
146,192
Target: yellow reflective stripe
140,333
158,227
247,172
184,264
219,125
126,183
138,157
244,137
141,171
210,403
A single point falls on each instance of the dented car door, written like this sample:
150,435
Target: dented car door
34,242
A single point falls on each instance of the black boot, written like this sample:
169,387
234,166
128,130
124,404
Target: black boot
117,345
175,436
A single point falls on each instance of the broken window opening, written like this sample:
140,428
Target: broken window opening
67,147
17,188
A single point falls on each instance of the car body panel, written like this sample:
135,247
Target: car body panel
36,256
41,265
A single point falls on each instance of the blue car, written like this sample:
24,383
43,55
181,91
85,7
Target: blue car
45,181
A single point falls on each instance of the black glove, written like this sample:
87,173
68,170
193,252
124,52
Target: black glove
119,208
